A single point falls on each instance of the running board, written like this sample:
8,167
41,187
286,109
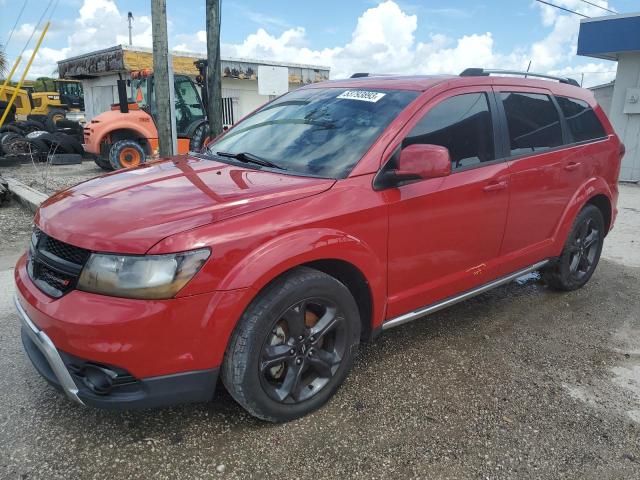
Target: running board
424,311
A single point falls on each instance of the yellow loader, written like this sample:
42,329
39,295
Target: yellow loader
44,107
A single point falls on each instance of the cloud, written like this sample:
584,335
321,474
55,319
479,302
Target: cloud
383,41
99,25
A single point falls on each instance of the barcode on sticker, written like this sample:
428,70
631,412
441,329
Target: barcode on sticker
361,95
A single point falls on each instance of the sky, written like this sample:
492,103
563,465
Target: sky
392,36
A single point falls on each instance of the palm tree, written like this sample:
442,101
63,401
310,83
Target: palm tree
3,61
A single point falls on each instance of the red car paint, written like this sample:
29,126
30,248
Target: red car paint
415,244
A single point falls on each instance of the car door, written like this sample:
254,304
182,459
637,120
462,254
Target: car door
543,176
445,233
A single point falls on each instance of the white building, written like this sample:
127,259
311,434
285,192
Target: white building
617,37
604,95
100,70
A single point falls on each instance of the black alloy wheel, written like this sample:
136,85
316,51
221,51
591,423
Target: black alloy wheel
293,346
581,253
584,248
305,348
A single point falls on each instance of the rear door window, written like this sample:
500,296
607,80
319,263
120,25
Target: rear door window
533,122
463,125
582,120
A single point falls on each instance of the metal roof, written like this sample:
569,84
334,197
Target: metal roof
124,58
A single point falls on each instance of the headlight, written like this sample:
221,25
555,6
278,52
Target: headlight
140,276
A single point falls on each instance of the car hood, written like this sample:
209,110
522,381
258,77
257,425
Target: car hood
131,210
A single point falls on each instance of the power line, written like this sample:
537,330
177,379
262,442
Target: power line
16,24
562,8
36,26
599,6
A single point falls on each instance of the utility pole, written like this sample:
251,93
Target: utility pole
214,87
130,20
161,85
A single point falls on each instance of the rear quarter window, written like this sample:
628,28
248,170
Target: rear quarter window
582,121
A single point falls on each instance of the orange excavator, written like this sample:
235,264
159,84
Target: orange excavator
126,136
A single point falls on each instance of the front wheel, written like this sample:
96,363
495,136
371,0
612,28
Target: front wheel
293,346
126,154
581,252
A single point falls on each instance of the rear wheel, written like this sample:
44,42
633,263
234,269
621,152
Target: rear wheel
126,154
581,253
293,347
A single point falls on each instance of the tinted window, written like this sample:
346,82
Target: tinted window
533,122
317,131
581,119
188,105
463,125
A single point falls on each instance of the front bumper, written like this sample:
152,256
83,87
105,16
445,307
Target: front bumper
185,387
44,355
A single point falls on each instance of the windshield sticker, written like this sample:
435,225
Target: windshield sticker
361,95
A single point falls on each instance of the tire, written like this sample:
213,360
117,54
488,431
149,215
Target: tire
581,253
36,134
126,154
53,117
197,139
12,128
68,143
55,144
269,325
31,126
37,118
103,163
69,124
5,138
18,145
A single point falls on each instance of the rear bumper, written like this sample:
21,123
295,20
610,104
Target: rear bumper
185,387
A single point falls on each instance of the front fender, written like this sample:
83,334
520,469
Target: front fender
272,258
592,187
295,248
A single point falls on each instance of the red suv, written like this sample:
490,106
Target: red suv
328,215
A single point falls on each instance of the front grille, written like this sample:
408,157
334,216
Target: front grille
64,250
55,279
54,266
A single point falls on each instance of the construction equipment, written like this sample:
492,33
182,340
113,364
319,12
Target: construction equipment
126,135
45,107
70,91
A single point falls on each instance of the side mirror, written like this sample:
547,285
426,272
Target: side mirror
419,162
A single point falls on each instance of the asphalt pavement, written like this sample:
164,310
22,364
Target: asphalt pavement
521,382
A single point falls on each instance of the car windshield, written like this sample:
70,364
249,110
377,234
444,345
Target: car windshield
321,132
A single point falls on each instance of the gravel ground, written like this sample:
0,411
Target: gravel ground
521,382
51,178
15,225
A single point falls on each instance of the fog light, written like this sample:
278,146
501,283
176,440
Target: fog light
99,380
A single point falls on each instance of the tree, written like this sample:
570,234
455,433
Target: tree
3,60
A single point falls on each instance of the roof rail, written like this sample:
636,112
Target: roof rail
367,74
480,72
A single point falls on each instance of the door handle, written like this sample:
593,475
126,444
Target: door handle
572,166
492,187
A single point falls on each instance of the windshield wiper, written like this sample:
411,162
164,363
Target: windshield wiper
247,157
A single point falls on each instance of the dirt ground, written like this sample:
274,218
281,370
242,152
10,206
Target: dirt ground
521,382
